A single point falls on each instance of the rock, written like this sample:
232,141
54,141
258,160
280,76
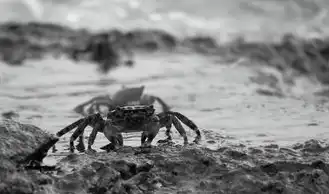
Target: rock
179,169
23,41
23,143
10,115
32,40
151,40
201,44
312,145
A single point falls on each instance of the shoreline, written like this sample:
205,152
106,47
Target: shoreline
23,41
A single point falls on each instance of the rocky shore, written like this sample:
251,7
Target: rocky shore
299,169
23,41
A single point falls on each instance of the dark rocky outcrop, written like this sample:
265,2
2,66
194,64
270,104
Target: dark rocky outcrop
10,115
304,168
305,56
23,143
22,41
21,146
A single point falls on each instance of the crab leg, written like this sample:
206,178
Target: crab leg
98,99
80,108
166,121
92,119
179,128
144,137
120,139
150,131
149,99
168,132
77,133
81,145
98,128
150,138
165,106
188,123
114,141
96,107
168,125
69,128
81,124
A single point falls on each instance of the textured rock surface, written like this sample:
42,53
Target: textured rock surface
178,169
19,145
19,141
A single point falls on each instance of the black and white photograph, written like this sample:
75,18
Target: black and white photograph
164,96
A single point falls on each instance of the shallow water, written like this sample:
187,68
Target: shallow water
218,97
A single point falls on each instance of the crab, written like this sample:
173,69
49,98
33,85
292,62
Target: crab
125,96
127,119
